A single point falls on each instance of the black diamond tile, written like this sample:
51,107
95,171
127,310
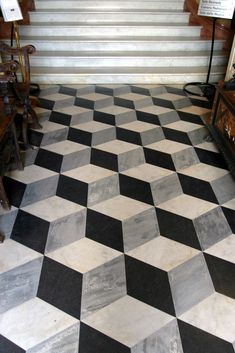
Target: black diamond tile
155,288
61,287
210,157
195,340
30,231
95,341
229,212
7,346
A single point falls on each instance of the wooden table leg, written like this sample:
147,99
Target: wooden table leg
19,163
2,238
3,196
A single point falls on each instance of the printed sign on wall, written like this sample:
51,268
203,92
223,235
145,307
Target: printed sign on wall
217,8
11,10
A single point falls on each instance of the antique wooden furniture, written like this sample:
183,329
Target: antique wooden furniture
222,125
19,89
9,148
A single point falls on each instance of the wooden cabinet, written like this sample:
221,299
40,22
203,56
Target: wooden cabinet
222,125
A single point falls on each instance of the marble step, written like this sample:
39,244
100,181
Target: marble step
59,4
103,29
122,59
141,75
117,43
70,15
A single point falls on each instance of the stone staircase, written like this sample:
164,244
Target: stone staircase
80,42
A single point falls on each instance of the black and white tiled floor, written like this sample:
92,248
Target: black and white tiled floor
120,236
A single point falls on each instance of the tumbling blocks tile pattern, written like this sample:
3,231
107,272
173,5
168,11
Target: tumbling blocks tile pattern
120,238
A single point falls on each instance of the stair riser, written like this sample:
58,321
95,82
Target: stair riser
155,5
122,78
110,31
122,46
124,61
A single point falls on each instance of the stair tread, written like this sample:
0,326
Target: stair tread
108,24
104,10
128,70
62,1
148,41
146,1
117,39
129,54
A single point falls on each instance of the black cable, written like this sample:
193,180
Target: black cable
212,49
207,89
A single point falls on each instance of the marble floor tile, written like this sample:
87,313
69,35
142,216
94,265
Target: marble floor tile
221,263
46,90
186,132
157,115
29,155
92,133
119,244
20,269
36,327
128,223
133,100
71,115
208,182
148,89
92,276
117,155
201,225
50,133
62,156
194,114
42,113
112,90
56,101
93,100
170,154
202,102
229,212
172,283
154,184
140,133
88,185
208,153
114,115
176,89
209,321
208,146
49,224
7,220
23,185
171,100
130,324
75,90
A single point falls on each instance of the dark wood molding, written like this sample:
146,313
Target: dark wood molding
5,27
223,30
26,6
